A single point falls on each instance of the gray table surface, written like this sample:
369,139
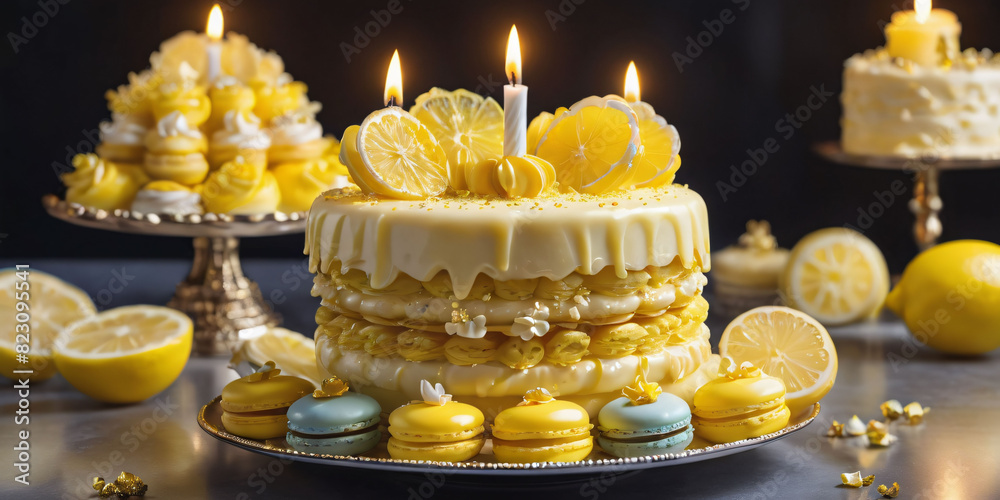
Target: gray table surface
954,454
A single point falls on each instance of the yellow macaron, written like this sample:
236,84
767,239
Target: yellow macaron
255,406
542,429
742,403
436,429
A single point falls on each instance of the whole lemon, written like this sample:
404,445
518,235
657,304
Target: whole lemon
949,297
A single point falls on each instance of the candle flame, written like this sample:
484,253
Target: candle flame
923,8
394,82
632,83
513,67
214,28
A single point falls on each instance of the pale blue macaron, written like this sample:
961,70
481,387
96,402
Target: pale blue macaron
633,430
340,425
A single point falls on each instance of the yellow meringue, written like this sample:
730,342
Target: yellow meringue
302,181
239,187
192,102
228,95
273,101
176,151
241,135
102,184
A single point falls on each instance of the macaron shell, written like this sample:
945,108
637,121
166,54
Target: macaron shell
277,392
554,419
427,423
435,452
629,449
730,395
621,418
345,413
255,426
354,444
567,449
737,429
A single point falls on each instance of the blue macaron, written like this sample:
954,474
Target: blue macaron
340,425
628,429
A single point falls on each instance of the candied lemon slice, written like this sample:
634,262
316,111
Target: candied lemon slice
469,127
661,146
594,145
786,344
126,354
395,155
52,304
836,275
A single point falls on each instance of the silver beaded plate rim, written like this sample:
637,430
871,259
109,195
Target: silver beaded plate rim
189,225
210,420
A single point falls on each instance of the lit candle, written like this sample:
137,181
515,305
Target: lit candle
515,102
214,47
632,83
925,36
393,95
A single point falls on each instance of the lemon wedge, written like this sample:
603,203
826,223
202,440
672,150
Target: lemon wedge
594,145
394,155
52,304
292,352
836,275
786,344
126,354
468,126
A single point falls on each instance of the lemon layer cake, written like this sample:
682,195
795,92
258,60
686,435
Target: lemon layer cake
494,297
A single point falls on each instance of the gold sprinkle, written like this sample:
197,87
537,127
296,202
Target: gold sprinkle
614,203
891,409
868,480
889,492
914,413
836,429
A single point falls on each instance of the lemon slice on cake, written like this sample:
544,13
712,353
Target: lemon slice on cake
469,127
836,275
394,155
594,145
52,304
786,344
661,146
126,354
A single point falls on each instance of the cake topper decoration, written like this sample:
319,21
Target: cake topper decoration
536,396
433,394
641,392
266,372
758,236
729,369
332,387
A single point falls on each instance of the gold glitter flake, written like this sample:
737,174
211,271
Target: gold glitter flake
889,491
868,480
125,486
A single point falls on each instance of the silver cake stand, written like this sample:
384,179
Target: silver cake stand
926,203
220,299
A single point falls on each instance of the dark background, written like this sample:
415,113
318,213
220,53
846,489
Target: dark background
727,100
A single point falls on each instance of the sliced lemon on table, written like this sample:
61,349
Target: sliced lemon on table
126,354
836,275
594,145
786,344
468,126
52,304
395,155
292,352
661,146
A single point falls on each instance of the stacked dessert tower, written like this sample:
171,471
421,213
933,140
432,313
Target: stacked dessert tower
215,125
569,269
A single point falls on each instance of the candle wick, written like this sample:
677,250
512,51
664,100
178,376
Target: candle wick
392,100
513,79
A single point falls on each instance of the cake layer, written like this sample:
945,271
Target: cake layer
420,305
548,237
896,108
492,379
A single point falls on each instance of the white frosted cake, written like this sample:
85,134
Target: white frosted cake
895,108
494,297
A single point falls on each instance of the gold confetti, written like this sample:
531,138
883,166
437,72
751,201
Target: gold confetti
836,429
125,486
868,480
891,409
887,491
